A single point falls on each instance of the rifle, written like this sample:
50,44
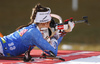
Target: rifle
61,26
64,26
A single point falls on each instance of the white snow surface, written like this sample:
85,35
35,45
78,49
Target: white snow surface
88,60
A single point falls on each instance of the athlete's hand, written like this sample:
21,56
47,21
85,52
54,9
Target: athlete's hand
54,43
70,26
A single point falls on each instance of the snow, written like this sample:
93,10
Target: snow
89,60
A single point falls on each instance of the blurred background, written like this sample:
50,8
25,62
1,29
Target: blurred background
14,13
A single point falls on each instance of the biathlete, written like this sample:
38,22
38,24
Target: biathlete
32,34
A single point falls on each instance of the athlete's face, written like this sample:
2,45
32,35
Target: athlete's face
46,25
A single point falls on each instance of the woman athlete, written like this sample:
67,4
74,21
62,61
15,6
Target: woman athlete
19,41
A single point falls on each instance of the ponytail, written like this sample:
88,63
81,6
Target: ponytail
38,8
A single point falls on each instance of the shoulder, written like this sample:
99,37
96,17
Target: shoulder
29,28
32,29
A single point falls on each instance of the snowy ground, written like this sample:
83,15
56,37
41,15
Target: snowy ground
70,56
89,60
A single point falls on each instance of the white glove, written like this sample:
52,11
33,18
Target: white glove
45,33
71,24
54,43
57,35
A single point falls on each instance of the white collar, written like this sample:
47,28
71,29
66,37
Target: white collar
38,28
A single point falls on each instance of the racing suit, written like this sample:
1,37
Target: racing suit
19,41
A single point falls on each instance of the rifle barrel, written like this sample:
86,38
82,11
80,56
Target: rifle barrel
80,21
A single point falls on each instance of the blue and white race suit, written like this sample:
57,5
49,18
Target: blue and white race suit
19,41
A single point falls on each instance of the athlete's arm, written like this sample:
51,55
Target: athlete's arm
40,42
